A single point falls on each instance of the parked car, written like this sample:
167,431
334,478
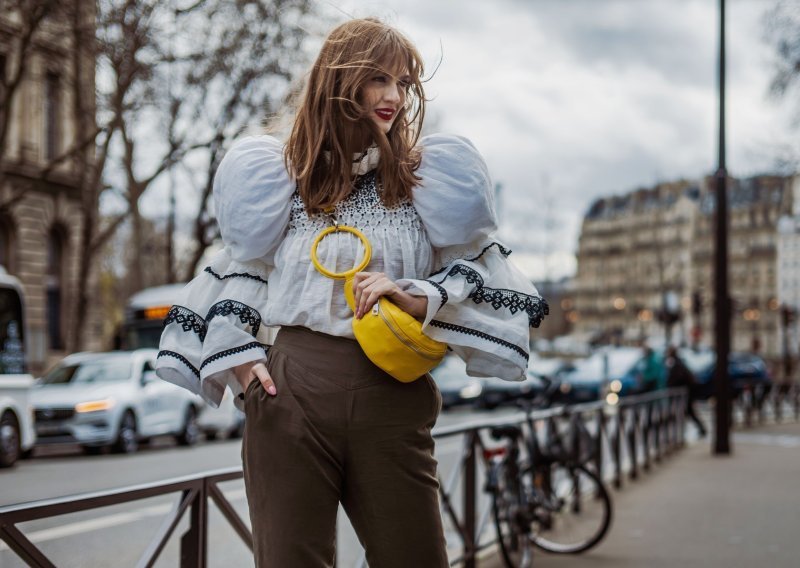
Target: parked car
497,392
458,388
745,371
227,421
455,386
614,370
16,419
112,399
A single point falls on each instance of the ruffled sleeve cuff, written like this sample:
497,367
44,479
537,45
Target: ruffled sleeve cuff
214,326
483,307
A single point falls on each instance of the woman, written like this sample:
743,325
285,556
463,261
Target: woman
324,425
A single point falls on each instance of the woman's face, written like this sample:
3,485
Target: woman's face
383,95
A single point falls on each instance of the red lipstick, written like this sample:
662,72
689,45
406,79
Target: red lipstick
385,113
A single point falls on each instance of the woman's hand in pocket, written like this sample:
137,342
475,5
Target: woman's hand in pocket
250,371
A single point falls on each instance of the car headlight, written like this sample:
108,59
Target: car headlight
470,391
615,386
565,388
94,405
612,398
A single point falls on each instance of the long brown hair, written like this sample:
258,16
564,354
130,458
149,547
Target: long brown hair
330,117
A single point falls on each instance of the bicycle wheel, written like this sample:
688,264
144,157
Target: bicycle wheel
576,510
509,508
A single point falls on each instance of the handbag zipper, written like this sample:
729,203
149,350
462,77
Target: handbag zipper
403,340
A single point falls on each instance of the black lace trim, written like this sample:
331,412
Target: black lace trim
535,306
180,358
247,315
188,320
470,274
503,250
233,351
480,334
234,275
442,292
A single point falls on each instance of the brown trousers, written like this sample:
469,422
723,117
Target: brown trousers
340,430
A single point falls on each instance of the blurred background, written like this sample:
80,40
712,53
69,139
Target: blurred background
598,120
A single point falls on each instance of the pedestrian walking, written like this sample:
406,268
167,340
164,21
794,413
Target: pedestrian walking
679,375
653,377
324,424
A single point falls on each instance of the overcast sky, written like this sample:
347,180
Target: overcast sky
570,100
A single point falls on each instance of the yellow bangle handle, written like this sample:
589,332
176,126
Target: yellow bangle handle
350,273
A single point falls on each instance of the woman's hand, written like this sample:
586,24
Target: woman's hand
247,372
368,287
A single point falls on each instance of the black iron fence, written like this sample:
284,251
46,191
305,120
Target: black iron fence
627,438
195,493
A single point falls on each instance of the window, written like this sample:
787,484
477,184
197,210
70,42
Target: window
6,244
54,286
52,115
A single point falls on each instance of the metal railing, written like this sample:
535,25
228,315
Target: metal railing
754,405
195,492
628,438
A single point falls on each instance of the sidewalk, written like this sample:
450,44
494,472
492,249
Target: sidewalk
695,509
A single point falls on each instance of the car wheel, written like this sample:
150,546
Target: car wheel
191,431
211,435
127,437
9,439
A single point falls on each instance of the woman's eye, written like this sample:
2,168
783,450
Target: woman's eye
379,79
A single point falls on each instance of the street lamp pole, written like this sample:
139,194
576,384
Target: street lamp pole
722,319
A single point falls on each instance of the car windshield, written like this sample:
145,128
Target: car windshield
450,370
95,371
619,363
697,361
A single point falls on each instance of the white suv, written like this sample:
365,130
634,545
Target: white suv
112,399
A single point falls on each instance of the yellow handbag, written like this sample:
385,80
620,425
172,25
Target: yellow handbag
390,337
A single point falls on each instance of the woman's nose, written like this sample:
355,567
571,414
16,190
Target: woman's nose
392,93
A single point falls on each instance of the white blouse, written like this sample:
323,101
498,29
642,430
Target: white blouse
440,246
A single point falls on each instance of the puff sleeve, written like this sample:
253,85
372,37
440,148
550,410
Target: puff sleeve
216,322
479,303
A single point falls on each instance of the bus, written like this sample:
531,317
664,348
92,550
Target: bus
144,316
17,434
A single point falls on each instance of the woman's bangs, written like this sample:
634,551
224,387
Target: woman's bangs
395,57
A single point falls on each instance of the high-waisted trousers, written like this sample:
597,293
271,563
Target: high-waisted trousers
340,430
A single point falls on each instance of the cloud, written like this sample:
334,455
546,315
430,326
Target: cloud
572,100
569,101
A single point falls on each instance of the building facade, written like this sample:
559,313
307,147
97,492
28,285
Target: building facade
40,193
645,264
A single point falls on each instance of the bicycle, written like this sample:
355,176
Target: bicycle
550,499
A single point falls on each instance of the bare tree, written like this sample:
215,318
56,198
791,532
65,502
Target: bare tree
200,73
85,152
249,69
783,32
